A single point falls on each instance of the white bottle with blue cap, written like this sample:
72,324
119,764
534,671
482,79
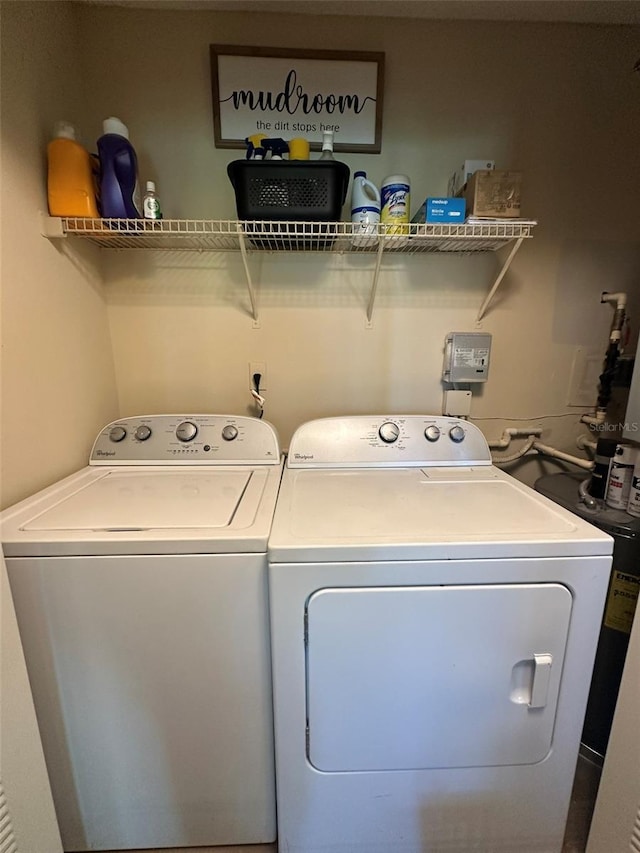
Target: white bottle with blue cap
365,210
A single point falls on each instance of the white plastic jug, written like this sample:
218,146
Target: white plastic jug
365,210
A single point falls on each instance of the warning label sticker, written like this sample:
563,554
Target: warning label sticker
470,356
621,601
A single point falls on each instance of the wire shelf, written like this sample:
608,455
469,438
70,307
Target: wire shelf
228,235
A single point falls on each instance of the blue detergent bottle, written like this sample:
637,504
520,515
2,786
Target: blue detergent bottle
119,188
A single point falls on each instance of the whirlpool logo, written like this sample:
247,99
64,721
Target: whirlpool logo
303,456
105,453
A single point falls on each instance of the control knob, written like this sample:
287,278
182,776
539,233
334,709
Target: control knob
186,431
432,433
143,432
117,433
229,432
456,434
389,432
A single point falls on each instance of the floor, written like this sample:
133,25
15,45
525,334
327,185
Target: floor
585,788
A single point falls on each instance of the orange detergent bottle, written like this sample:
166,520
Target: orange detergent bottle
71,189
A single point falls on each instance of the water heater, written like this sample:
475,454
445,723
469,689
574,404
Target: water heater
632,416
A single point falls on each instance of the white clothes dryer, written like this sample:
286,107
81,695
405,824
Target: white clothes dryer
140,586
434,624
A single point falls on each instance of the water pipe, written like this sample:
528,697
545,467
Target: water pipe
594,420
526,447
583,491
619,301
512,432
585,442
545,450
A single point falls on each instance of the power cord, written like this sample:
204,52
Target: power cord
255,393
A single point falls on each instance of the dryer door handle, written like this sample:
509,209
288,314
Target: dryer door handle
541,677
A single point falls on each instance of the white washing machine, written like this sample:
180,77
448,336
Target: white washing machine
434,624
140,586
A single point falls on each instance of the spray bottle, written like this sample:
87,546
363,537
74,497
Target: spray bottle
327,145
255,149
276,147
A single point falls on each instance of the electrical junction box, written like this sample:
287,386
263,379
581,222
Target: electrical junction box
457,404
466,357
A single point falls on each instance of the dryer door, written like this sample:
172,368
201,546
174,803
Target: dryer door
402,678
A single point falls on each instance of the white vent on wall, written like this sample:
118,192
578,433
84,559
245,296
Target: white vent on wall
8,843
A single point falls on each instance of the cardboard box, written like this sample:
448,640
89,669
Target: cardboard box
448,210
493,194
464,172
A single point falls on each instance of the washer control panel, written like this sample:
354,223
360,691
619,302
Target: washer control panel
186,439
388,441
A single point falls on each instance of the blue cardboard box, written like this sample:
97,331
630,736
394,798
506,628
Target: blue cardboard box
448,210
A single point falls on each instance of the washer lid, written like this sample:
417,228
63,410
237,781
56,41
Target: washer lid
124,500
147,510
421,514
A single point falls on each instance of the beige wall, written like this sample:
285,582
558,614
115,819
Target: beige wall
557,101
58,385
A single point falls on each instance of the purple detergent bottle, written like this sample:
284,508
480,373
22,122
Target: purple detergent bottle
119,189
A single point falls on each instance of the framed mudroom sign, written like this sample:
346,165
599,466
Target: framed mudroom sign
297,93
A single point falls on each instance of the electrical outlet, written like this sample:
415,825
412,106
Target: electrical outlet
261,368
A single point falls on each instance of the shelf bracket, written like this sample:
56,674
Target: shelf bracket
501,275
51,226
247,272
374,283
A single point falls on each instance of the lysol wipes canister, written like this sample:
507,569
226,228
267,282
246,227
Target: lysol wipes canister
620,476
395,209
633,506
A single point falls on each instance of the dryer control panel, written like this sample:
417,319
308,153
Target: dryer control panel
388,440
186,440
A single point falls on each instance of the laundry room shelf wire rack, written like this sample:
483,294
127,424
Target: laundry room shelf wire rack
223,235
